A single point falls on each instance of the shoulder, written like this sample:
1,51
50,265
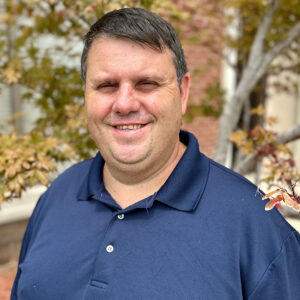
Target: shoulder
240,201
223,174
63,189
234,188
259,235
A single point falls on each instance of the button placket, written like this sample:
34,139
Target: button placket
110,248
105,257
109,251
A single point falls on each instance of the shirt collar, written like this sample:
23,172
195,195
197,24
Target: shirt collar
93,185
182,190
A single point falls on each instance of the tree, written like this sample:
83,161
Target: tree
49,77
282,176
267,30
272,29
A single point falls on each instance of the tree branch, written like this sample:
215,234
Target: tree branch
285,137
257,48
227,60
246,165
280,46
278,70
289,135
257,66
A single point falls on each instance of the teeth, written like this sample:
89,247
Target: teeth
129,127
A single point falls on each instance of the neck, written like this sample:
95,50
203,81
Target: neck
128,187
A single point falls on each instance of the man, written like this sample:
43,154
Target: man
150,217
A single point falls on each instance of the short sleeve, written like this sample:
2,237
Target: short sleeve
281,279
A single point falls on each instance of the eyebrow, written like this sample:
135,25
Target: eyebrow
97,79
151,78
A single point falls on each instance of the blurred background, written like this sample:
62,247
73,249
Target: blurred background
244,106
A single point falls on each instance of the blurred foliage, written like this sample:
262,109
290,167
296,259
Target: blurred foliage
40,48
247,15
280,163
240,20
211,103
26,160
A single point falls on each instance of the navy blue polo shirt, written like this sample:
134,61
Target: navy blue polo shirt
203,235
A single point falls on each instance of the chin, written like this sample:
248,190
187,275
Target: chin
130,158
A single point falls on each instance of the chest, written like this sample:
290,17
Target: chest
140,255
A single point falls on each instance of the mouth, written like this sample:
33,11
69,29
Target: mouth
129,126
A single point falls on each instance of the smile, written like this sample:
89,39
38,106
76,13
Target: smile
129,127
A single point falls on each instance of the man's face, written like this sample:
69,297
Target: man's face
133,102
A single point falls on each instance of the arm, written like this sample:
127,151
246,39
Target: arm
24,247
281,280
25,244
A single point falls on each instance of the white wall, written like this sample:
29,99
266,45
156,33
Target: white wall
285,107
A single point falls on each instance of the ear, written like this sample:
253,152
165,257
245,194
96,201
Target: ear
184,91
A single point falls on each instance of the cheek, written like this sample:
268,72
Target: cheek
96,110
161,105
152,105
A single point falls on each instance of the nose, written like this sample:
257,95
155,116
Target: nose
126,100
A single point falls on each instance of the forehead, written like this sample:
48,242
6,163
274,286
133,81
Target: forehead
109,52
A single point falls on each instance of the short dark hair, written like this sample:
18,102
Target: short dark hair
138,25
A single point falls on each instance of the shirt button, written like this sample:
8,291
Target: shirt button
110,248
121,216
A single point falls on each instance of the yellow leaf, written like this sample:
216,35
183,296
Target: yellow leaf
17,190
26,165
10,172
11,75
11,186
270,205
270,194
238,137
6,17
259,110
31,159
283,148
271,121
288,200
21,181
42,177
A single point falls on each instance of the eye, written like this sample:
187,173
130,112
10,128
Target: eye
107,87
147,85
